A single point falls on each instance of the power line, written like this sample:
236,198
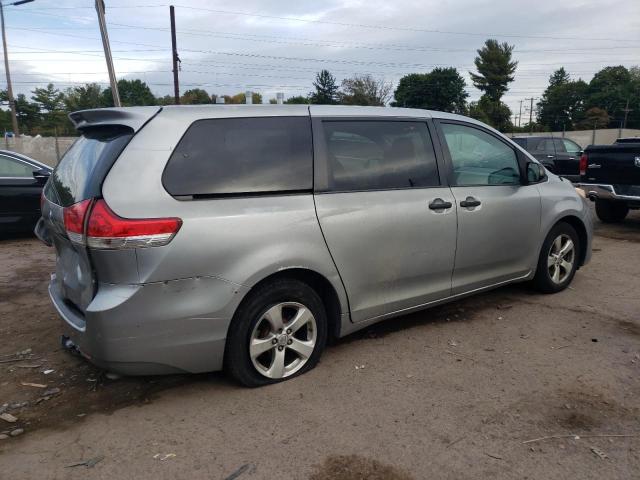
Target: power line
361,25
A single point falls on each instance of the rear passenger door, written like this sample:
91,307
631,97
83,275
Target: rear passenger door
544,151
388,220
568,158
498,216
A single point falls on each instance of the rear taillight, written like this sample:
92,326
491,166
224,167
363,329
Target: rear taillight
74,217
583,164
106,230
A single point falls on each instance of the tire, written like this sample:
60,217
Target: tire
256,322
554,273
610,211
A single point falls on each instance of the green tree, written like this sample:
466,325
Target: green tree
195,96
49,98
562,103
298,100
133,93
50,103
595,118
495,69
365,90
441,89
326,89
83,98
496,114
609,90
28,114
239,98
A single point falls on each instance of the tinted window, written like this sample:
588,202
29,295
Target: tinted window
545,145
480,158
373,155
571,147
82,169
559,146
242,155
10,167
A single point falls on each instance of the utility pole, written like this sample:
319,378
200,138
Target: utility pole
626,109
531,114
520,114
12,100
107,53
176,59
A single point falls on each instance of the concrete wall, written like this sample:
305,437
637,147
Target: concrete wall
583,138
43,149
39,148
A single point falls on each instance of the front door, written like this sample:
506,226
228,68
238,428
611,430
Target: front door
498,217
389,224
19,194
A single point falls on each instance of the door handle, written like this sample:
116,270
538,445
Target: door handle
550,156
470,202
439,204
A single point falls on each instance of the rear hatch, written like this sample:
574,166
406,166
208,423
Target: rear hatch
72,190
613,164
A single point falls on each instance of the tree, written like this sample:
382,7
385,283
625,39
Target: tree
298,100
562,103
132,93
49,99
610,89
595,118
496,114
239,98
495,72
195,96
326,92
442,89
495,69
28,114
365,90
83,98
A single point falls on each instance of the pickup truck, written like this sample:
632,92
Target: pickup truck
610,176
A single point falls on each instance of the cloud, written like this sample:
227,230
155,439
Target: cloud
226,52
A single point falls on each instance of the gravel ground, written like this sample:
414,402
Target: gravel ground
452,392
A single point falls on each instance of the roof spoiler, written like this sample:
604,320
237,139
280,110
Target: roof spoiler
132,117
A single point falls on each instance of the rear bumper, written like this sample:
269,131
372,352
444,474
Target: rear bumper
599,191
155,328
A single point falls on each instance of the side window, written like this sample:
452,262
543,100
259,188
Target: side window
15,169
230,156
545,145
480,158
559,145
378,155
571,147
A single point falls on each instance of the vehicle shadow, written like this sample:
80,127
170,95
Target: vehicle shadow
628,230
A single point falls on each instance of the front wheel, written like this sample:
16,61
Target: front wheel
558,259
610,211
278,332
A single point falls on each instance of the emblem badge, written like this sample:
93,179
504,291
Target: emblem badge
637,161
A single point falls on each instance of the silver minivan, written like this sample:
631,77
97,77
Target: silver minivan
197,238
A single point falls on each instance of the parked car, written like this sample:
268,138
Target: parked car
558,155
201,237
21,182
610,176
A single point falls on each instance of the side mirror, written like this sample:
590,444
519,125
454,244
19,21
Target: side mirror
535,172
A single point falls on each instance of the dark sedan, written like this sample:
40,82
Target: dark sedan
21,182
559,155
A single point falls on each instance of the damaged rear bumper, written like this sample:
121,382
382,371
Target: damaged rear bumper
155,328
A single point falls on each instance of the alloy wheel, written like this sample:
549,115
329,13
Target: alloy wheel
283,340
561,258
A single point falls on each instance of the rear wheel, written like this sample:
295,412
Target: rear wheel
278,332
610,211
558,260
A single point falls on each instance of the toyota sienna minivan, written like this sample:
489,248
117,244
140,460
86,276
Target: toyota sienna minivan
197,238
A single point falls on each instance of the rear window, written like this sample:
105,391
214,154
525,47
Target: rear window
83,168
231,156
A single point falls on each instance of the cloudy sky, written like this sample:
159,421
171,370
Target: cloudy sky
228,47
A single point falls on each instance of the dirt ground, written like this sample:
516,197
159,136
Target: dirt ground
457,392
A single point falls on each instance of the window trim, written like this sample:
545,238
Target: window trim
520,158
222,196
321,164
19,160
